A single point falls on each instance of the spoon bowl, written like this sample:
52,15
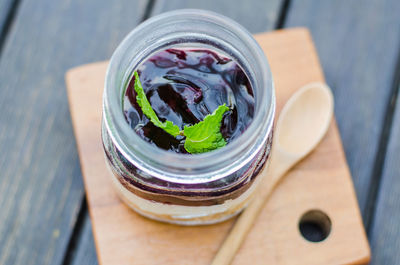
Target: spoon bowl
307,115
302,123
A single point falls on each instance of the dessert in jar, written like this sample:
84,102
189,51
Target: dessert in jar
188,112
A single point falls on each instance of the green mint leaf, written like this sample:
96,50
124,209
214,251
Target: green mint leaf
206,135
144,104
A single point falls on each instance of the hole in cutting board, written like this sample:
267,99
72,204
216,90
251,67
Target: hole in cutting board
315,225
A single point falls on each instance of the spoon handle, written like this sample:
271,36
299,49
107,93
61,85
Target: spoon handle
245,221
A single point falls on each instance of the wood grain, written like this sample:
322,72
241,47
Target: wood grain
41,188
255,15
322,181
385,233
358,43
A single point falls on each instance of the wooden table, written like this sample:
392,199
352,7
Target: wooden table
43,213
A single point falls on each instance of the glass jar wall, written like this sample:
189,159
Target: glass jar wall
180,188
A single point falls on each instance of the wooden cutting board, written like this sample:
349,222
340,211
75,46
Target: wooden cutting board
322,181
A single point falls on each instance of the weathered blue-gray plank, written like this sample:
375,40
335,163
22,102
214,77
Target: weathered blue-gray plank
358,43
385,229
255,15
41,187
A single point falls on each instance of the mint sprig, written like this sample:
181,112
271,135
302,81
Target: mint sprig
202,137
144,104
206,135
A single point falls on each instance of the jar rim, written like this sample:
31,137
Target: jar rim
183,168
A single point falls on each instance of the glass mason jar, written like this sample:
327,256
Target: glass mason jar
179,188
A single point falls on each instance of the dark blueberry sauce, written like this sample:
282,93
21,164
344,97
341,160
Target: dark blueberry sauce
183,86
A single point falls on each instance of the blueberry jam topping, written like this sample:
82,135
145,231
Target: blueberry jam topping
185,85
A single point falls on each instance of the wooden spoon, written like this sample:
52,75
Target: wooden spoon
302,124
